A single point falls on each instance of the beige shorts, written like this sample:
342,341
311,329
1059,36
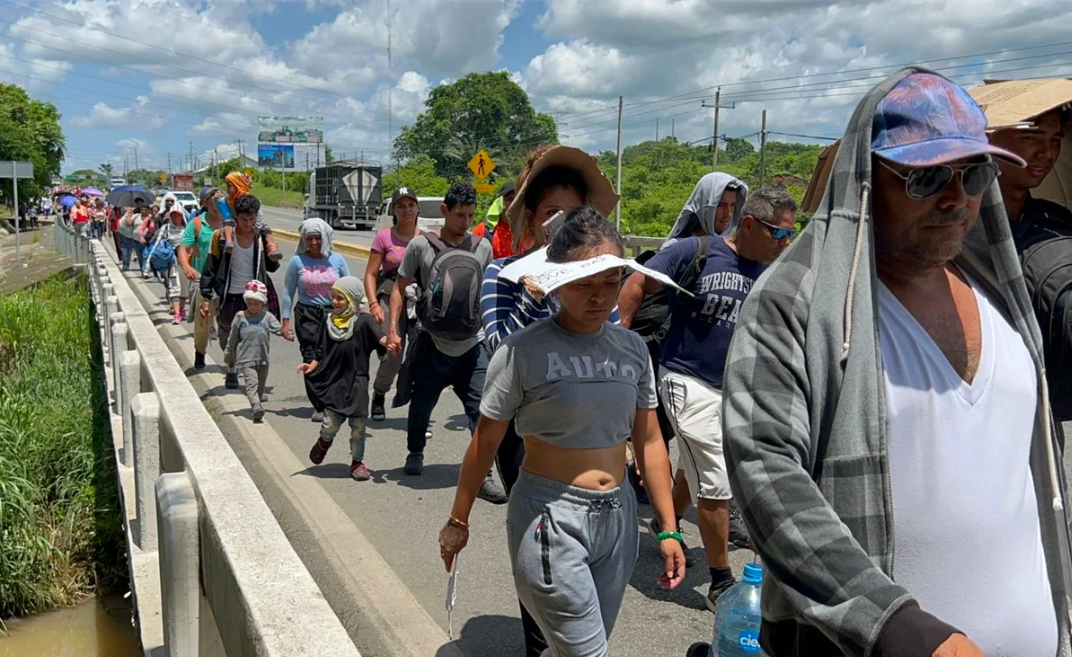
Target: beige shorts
695,409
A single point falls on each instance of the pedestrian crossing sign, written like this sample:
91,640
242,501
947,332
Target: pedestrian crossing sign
484,189
482,165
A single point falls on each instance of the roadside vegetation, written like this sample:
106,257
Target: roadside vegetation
60,529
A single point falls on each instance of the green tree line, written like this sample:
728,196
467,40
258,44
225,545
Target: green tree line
29,131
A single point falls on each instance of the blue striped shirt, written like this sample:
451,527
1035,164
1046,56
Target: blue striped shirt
506,306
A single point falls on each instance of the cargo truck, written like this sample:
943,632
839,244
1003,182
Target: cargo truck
346,194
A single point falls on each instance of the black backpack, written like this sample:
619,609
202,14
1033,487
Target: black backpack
449,306
1047,267
652,320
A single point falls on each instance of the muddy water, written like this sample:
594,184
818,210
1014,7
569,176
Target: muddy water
98,628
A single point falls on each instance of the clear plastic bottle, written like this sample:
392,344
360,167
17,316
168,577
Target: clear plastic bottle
737,617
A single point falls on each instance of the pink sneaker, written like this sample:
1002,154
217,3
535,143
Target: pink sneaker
177,319
359,472
182,314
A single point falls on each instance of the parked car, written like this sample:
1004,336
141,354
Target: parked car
429,216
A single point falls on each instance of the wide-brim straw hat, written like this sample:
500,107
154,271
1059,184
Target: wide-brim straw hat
601,195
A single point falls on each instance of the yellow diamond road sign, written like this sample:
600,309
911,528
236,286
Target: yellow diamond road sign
482,165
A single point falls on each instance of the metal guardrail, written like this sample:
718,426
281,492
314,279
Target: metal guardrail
212,572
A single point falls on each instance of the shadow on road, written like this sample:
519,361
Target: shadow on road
436,476
488,636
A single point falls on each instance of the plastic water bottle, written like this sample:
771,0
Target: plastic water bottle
737,617
225,209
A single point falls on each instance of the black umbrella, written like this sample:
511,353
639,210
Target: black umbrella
124,196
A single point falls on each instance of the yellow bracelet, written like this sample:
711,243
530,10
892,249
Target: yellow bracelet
454,522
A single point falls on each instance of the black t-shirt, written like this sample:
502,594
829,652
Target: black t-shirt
1042,220
341,380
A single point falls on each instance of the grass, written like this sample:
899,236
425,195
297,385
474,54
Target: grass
273,196
60,529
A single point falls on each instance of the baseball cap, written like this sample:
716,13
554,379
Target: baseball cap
403,192
601,195
507,188
927,120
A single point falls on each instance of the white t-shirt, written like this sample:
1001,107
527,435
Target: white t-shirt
967,542
242,269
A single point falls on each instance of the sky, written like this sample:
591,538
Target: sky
167,78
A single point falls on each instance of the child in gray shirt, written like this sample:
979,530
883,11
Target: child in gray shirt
247,345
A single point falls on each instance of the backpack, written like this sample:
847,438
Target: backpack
652,320
449,306
1047,267
163,255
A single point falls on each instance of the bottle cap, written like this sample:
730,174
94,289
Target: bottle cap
753,573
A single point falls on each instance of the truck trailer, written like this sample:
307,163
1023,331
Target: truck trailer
346,194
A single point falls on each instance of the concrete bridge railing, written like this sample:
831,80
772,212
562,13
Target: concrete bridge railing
211,570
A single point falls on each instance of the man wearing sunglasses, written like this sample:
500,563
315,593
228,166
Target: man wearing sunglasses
885,426
1042,231
693,354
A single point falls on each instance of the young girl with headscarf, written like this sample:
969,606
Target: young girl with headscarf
337,380
240,184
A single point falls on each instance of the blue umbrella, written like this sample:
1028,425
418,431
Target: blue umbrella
123,197
68,201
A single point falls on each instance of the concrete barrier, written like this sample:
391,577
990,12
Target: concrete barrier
253,594
342,247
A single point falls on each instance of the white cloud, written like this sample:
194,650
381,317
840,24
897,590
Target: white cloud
130,145
136,117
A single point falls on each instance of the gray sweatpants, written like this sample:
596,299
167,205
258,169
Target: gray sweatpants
573,552
256,377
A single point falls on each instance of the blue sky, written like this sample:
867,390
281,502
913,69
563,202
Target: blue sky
162,76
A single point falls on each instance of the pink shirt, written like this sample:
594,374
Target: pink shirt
391,247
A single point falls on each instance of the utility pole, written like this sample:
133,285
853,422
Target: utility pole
618,186
192,165
169,165
283,172
673,128
390,89
135,158
656,130
714,136
763,150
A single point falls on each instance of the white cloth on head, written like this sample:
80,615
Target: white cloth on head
315,226
702,203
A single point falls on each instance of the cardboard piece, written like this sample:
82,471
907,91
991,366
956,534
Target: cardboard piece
1007,104
549,276
1014,103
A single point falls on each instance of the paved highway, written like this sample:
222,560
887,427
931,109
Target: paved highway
287,219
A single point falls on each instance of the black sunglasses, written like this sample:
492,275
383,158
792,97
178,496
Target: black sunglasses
924,182
778,233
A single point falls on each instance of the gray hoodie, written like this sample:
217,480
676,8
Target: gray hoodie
700,208
804,424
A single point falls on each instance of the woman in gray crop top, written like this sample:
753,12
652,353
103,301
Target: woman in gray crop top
578,387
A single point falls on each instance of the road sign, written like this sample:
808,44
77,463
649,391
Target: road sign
163,178
9,169
482,165
485,189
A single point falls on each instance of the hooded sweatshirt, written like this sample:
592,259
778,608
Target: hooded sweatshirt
804,425
700,208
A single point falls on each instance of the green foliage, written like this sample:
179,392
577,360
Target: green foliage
31,132
658,177
329,155
481,110
419,174
60,530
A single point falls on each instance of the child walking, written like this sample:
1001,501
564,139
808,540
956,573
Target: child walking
247,345
337,380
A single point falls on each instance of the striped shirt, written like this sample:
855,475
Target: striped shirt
506,306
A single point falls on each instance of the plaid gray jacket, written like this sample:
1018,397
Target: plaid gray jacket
804,418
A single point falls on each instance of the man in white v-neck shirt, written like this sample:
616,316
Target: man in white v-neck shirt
961,398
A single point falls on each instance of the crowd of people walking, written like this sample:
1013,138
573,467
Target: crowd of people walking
876,385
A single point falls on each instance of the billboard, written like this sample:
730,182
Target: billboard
289,143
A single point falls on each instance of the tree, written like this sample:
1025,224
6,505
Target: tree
737,149
329,155
481,110
106,169
419,174
30,132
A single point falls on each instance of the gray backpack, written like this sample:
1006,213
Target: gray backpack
449,306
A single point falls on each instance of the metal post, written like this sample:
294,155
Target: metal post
714,135
15,187
656,130
618,184
283,172
763,149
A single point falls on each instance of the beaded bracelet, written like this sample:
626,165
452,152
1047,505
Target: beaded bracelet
454,522
662,536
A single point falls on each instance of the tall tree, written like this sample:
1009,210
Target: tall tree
106,169
29,131
481,110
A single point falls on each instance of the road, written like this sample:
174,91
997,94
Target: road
402,516
286,219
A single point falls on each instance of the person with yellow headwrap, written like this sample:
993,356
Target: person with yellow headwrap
337,380
240,184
